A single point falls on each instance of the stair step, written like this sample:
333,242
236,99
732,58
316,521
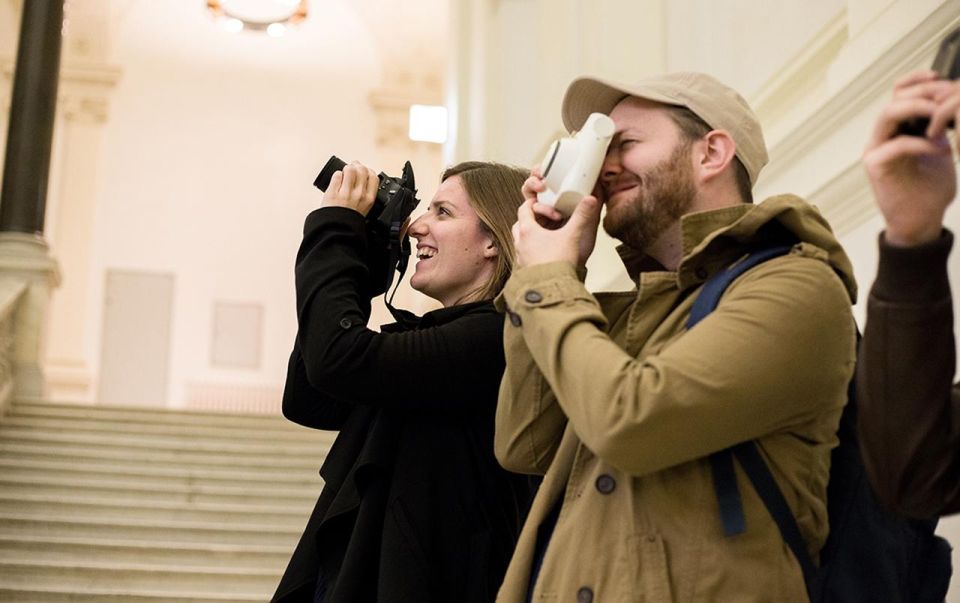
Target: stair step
160,532
91,452
149,475
34,548
148,505
40,594
166,442
42,484
79,508
171,579
157,415
258,433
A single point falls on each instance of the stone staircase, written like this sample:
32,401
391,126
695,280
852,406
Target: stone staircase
105,503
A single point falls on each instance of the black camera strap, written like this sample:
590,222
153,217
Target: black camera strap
398,254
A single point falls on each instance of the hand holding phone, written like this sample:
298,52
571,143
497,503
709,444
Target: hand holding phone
947,66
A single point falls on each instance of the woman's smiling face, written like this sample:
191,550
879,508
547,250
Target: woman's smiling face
455,254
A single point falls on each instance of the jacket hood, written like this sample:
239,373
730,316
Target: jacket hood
725,232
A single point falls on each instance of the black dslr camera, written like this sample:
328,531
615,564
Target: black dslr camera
395,201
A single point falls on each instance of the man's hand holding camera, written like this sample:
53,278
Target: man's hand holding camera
354,187
542,234
913,177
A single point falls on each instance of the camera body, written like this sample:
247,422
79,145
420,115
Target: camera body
389,248
572,165
396,197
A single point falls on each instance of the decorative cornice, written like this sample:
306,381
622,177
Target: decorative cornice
824,118
799,76
90,74
846,200
843,193
84,92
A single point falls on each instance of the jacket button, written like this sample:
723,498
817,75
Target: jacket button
701,272
606,484
514,318
585,595
533,297
345,323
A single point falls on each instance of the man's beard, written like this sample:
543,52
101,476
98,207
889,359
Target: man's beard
665,193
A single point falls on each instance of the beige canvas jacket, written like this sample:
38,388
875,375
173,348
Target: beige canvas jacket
618,405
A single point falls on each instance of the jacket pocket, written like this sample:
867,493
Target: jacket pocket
654,570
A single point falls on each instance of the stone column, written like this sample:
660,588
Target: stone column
24,255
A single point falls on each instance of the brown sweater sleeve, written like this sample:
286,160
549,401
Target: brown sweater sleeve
908,407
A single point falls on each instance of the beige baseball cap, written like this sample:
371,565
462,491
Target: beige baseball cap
716,104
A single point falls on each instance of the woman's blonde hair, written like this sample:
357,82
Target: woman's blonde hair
494,192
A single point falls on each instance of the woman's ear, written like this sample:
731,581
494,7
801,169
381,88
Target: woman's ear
491,250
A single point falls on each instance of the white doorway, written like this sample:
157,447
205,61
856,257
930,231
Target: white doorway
135,350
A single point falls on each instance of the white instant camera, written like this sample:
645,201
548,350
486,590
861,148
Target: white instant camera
572,165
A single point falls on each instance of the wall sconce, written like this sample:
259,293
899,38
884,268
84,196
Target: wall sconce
428,123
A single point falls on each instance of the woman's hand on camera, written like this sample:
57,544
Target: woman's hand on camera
354,187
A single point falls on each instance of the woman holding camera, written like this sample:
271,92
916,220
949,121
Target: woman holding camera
414,506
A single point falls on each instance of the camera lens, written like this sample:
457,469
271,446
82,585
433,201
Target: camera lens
333,165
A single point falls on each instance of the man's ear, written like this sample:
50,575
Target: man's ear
717,151
491,250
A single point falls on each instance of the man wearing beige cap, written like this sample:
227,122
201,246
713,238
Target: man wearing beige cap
619,404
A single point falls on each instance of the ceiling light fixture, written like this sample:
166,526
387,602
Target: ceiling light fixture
275,17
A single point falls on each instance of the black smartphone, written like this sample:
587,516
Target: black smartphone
947,66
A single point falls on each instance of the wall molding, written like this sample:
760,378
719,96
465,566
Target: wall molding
802,73
846,200
822,119
84,89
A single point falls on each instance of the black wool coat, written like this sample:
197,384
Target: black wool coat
415,507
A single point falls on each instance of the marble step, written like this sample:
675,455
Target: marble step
91,452
152,415
158,531
42,594
59,548
41,484
81,508
256,433
137,473
83,575
165,442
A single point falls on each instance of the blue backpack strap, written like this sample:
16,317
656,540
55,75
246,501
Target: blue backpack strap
724,476
728,495
757,470
713,289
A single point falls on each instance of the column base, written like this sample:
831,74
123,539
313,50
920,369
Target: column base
25,260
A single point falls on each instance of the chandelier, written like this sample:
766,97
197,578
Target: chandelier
274,17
